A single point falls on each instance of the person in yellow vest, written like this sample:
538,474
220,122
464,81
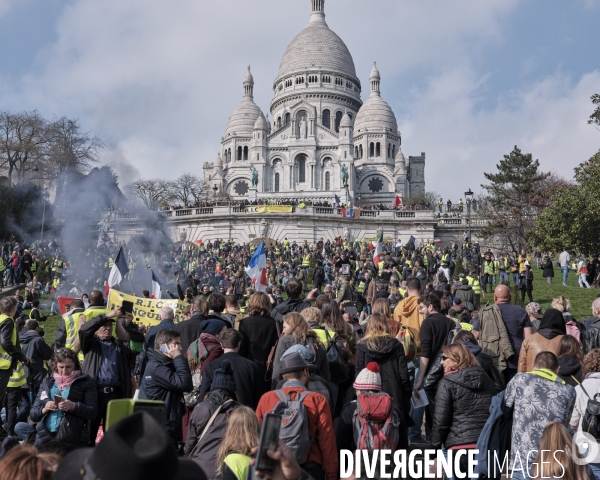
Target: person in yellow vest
440,204
95,309
2,270
473,280
10,347
13,396
68,328
35,314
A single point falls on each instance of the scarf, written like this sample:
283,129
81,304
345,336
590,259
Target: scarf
198,351
65,382
548,375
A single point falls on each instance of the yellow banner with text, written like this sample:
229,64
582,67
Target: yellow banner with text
270,209
146,310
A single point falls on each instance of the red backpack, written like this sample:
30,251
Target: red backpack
376,424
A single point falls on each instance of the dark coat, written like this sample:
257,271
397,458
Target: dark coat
167,379
189,330
548,269
467,295
84,393
205,453
259,334
290,305
246,376
39,351
393,370
570,370
92,351
462,407
591,337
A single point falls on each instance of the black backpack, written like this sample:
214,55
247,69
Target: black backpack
591,417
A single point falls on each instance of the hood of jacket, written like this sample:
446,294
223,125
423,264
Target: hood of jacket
219,397
569,365
408,306
387,346
27,337
290,305
472,378
474,349
465,288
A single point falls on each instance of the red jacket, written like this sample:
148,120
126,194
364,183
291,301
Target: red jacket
320,427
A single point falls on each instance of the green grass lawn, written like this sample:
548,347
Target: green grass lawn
581,298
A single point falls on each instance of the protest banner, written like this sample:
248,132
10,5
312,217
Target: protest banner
146,310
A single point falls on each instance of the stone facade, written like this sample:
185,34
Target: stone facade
319,129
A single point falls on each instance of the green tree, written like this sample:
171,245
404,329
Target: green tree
571,219
515,196
595,117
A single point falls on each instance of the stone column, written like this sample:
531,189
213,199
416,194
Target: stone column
312,176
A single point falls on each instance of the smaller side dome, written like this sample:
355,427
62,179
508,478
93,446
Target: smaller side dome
346,121
261,123
400,157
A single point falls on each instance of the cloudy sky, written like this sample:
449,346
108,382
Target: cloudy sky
158,79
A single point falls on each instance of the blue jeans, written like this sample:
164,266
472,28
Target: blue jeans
565,272
503,277
415,413
515,278
23,429
596,469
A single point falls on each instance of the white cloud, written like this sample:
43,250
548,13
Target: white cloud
158,79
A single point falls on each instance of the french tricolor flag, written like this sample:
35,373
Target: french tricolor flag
257,268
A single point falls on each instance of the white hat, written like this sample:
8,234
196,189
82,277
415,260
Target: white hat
368,378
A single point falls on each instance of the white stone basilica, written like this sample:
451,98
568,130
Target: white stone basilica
323,140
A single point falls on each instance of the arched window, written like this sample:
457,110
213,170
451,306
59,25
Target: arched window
326,121
278,123
246,153
393,151
229,155
356,152
389,150
378,150
327,181
301,169
372,150
277,182
287,118
240,152
360,152
338,119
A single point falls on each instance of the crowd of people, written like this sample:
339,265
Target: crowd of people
426,349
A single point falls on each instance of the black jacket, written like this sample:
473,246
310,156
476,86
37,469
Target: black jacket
591,337
548,269
436,373
14,350
246,376
393,370
570,370
189,330
84,393
167,379
290,305
92,351
205,454
39,351
462,406
259,335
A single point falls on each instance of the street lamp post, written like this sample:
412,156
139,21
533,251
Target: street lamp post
215,189
469,196
45,197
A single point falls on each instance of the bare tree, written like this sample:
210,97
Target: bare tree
187,189
153,193
24,142
72,152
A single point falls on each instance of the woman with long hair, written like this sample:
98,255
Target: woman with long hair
588,389
242,435
462,401
260,333
555,456
70,395
570,360
380,346
296,331
24,462
381,305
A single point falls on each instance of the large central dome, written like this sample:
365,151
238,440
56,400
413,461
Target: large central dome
317,47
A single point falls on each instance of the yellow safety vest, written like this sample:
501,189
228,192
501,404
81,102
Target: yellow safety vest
5,358
31,313
474,282
17,379
361,287
323,336
402,292
306,260
72,327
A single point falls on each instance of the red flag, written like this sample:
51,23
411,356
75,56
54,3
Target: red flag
343,211
397,201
